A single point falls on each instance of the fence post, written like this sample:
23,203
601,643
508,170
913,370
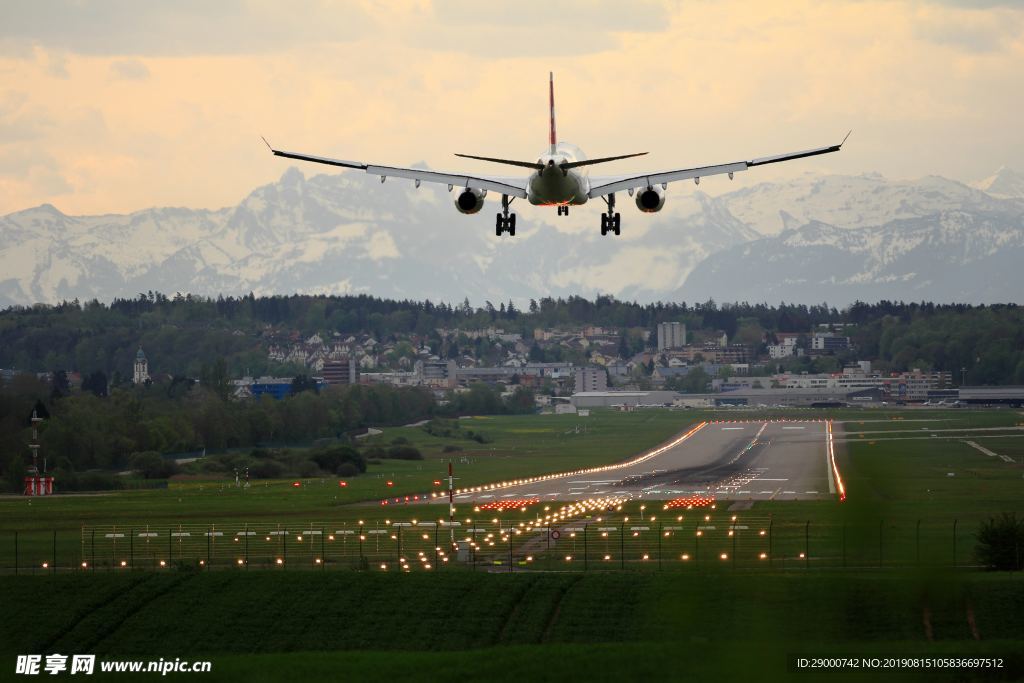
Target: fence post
131,548
398,546
246,547
771,555
622,545
807,544
733,546
585,555
93,542
170,546
509,547
54,565
547,534
323,548
436,546
660,526
361,546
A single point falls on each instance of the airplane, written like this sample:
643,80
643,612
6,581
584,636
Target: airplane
559,177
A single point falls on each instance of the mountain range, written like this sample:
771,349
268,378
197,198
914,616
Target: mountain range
816,238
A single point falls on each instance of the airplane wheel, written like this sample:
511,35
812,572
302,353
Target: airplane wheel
604,225
512,230
512,224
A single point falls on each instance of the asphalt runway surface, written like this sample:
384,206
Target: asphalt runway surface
760,460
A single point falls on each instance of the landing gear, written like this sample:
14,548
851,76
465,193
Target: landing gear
505,221
611,221
563,210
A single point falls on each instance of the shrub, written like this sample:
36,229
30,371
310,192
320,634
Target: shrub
347,469
1001,542
451,448
331,458
404,453
307,468
152,465
399,441
266,469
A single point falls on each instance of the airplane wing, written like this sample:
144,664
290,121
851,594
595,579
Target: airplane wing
511,187
600,187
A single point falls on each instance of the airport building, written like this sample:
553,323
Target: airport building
1003,395
629,399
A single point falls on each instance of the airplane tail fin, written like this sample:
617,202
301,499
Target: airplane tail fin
552,137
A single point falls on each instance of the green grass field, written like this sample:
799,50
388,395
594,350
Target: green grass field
617,625
663,617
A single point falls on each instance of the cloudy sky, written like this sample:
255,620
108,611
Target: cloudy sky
120,105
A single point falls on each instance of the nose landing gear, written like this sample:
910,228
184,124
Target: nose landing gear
505,221
611,221
563,210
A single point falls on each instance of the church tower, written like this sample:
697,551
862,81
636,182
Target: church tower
140,373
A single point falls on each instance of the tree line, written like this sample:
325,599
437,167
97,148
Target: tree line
187,335
83,431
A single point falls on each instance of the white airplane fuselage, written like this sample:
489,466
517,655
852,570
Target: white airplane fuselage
555,187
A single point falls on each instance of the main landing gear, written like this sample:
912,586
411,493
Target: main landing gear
505,220
563,210
610,221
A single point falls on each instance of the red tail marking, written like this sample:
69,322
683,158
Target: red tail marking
552,138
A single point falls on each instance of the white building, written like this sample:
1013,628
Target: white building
140,371
783,350
671,336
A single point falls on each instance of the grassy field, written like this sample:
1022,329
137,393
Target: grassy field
618,625
663,617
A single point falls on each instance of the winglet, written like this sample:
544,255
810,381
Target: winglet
266,143
844,139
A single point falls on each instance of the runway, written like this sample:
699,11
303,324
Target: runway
757,460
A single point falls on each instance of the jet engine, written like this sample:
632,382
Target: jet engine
650,199
470,200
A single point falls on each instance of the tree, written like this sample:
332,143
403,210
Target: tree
152,465
60,385
303,382
215,378
1001,542
696,381
96,383
521,402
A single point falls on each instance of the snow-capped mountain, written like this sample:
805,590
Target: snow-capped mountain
819,237
851,201
348,233
1004,183
948,256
